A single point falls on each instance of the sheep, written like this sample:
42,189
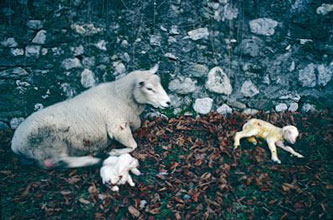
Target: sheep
272,134
66,134
115,170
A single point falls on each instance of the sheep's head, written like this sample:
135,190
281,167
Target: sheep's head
148,90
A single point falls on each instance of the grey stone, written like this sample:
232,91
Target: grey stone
263,26
32,51
9,42
250,47
44,51
198,34
17,51
324,9
87,78
88,62
281,107
307,76
40,37
197,70
324,74
38,106
68,90
101,45
230,12
218,81
170,56
3,126
13,73
174,30
307,107
71,63
155,40
203,105
119,67
293,107
237,104
182,86
224,109
250,111
295,97
35,24
86,29
249,89
15,122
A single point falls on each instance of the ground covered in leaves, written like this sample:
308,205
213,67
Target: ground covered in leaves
189,172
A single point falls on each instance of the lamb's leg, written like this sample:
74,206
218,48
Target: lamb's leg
242,134
125,138
272,148
136,171
130,180
289,149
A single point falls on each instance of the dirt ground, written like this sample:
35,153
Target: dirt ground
189,172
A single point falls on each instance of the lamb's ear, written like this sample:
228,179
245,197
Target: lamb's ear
154,69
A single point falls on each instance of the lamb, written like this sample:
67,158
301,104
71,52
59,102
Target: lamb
66,134
272,134
115,170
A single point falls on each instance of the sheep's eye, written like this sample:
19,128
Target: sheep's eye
150,89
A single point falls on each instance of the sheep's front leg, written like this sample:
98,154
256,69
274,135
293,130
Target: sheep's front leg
130,180
136,171
125,137
289,149
272,148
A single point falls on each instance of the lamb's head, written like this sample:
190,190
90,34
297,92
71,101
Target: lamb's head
290,133
148,90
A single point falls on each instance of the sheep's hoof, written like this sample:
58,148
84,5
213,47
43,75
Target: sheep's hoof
276,161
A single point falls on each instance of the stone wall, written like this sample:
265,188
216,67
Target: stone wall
214,54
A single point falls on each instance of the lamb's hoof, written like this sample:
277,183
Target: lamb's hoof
276,161
115,188
300,156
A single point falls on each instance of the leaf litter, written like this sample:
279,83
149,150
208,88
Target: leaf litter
189,171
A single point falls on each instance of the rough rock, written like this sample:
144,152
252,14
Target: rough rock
324,9
71,63
224,109
196,70
87,78
307,107
17,51
155,40
281,107
307,76
263,26
9,42
15,122
40,37
250,111
203,105
250,47
119,67
324,74
198,34
32,51
249,89
86,29
293,107
35,24
182,86
13,73
101,45
218,81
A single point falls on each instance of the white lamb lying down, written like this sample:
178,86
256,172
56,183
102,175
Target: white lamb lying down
115,170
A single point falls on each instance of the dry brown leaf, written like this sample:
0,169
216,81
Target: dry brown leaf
134,212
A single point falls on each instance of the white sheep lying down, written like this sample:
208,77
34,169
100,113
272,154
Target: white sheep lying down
115,170
66,133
